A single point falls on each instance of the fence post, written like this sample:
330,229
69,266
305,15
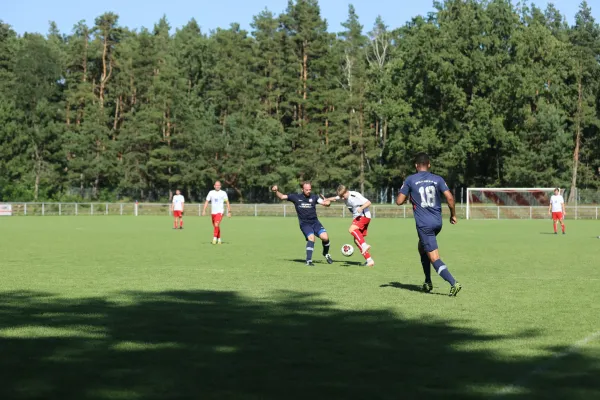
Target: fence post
530,212
121,208
256,210
343,212
373,211
135,209
25,209
284,211
106,209
498,212
76,204
199,212
404,209
42,209
59,209
596,212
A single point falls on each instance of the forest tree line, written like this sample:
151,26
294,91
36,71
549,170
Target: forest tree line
497,94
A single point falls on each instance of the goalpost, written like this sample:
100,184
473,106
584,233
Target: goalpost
497,203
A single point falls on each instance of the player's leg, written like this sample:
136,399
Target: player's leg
562,223
174,219
429,243
325,242
218,219
426,264
554,222
356,232
310,248
215,228
181,221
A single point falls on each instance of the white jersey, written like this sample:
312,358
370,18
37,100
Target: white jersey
217,201
354,201
178,201
557,201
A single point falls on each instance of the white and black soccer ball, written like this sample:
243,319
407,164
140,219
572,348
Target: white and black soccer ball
347,250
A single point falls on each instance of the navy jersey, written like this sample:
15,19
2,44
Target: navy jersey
425,191
306,207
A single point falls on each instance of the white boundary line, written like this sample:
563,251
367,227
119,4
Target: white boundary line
514,387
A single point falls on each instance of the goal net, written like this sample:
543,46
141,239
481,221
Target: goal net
508,203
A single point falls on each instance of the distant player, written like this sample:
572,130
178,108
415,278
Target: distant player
424,190
359,206
306,208
177,209
557,210
217,198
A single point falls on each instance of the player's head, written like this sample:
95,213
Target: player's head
306,188
343,192
218,185
556,191
422,162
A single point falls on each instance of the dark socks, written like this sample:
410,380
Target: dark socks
426,266
310,247
441,269
325,247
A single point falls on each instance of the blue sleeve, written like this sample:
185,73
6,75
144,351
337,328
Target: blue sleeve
405,189
442,187
291,197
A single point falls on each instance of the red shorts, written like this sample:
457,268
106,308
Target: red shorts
216,218
362,223
557,215
177,213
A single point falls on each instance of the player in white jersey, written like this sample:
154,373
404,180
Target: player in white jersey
359,206
557,210
217,198
177,209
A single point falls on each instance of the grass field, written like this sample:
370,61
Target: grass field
127,308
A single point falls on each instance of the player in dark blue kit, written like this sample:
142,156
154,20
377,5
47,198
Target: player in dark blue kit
425,190
306,208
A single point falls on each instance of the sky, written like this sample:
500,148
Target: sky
34,15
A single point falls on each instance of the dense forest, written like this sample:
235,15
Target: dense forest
499,94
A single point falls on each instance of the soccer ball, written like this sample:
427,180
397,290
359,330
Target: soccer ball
347,250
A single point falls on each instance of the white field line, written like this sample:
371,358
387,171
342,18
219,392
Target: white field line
514,387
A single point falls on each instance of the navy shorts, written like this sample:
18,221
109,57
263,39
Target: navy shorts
427,237
310,228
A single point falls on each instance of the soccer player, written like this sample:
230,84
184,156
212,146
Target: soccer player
557,210
359,206
425,190
218,198
177,209
306,208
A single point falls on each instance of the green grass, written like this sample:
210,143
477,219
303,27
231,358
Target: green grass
126,308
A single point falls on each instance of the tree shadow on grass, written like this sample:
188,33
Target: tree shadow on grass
221,345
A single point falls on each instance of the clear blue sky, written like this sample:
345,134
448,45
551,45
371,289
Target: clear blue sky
33,15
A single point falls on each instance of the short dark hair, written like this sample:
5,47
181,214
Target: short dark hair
422,159
305,183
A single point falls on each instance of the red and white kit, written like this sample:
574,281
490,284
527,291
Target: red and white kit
178,201
556,201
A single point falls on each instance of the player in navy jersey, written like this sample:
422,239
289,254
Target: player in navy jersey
425,190
306,208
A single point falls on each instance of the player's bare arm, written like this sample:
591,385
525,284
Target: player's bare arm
280,195
401,199
228,208
325,202
564,210
451,206
204,209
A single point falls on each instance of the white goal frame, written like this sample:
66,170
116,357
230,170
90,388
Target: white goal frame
469,190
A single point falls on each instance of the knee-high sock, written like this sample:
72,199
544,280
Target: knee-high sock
426,266
325,244
442,270
310,247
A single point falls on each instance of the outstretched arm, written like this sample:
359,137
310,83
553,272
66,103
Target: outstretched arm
451,206
323,201
281,196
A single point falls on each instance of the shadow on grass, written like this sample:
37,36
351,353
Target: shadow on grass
220,345
410,288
